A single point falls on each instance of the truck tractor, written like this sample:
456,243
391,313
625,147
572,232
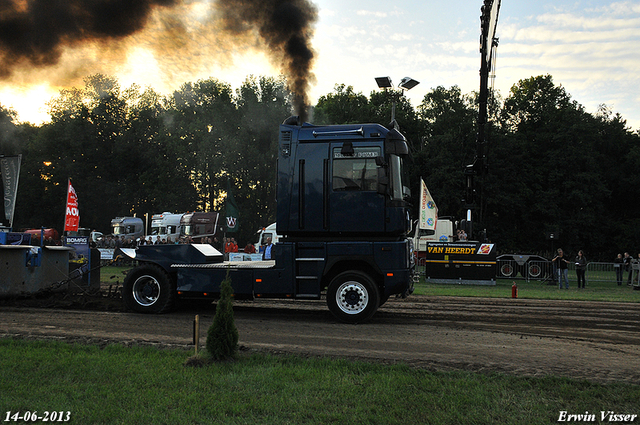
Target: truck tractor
165,226
200,225
132,228
343,217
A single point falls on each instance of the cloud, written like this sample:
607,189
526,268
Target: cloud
593,53
374,13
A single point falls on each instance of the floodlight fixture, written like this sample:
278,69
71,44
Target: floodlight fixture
384,82
407,83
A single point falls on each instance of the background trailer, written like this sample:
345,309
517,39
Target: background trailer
472,263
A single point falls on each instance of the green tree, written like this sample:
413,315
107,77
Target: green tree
263,103
222,336
164,184
84,142
9,138
109,142
343,106
380,107
200,124
16,138
446,147
553,171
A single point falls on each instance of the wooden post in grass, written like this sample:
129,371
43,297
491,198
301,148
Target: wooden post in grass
196,332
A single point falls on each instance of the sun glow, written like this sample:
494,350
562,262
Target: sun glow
30,102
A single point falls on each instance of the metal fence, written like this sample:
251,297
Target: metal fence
612,272
545,271
529,270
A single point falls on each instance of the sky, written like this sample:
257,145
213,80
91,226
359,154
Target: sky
591,48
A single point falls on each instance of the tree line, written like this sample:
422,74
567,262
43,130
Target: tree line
552,168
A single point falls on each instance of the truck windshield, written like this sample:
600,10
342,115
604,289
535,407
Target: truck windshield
357,171
119,230
399,185
188,230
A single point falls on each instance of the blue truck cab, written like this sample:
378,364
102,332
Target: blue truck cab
344,223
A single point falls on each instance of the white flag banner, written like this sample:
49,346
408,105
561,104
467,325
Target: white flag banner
428,209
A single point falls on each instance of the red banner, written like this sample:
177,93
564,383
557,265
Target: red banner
72,218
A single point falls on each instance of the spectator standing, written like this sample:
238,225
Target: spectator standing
267,250
618,264
563,271
230,246
581,269
627,266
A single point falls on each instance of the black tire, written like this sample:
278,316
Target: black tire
353,297
148,289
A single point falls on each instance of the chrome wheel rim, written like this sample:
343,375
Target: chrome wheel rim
146,290
352,297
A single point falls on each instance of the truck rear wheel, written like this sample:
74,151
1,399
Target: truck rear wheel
353,297
148,289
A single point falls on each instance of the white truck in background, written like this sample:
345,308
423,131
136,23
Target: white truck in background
263,234
132,228
165,226
443,233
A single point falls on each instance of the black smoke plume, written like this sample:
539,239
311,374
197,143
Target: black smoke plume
35,33
286,26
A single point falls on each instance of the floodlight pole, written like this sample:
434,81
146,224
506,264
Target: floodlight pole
407,83
394,97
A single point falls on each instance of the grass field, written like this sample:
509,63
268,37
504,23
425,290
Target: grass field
595,291
142,385
113,274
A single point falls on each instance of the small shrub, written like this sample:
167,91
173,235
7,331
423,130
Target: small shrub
222,336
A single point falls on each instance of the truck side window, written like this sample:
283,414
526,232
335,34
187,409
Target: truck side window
357,172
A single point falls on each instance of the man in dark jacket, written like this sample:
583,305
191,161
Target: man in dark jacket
561,263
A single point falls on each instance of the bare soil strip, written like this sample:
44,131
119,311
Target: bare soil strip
597,341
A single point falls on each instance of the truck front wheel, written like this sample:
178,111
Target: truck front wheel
148,289
353,297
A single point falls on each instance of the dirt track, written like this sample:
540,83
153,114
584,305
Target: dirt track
585,340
